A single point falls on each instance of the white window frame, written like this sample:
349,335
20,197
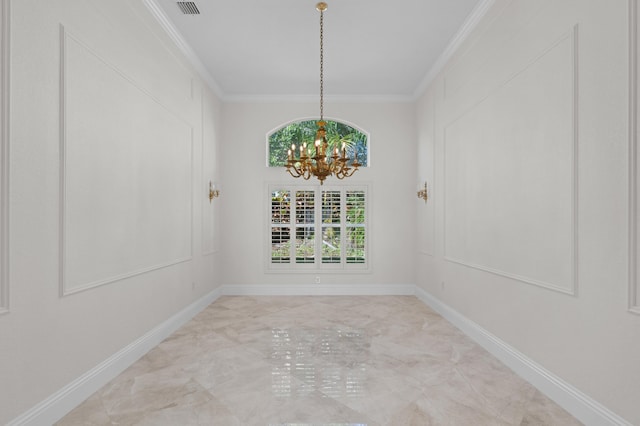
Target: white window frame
318,266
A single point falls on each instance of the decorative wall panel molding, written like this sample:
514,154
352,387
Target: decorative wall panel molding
209,213
634,184
209,208
427,223
126,175
4,157
511,175
426,220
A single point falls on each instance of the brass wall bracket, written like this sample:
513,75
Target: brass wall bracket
422,193
213,193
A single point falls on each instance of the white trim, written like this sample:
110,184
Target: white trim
66,399
584,408
65,289
516,277
581,406
467,27
633,302
572,289
4,158
316,267
575,161
185,48
314,98
318,290
463,33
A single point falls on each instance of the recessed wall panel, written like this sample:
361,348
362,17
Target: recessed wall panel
510,176
126,175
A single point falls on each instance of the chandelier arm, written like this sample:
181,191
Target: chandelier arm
350,173
297,175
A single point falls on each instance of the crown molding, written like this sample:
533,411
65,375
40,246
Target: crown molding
183,46
314,98
461,36
468,26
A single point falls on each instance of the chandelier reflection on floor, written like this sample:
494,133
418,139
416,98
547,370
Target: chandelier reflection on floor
321,163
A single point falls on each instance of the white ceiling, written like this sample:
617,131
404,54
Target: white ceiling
270,49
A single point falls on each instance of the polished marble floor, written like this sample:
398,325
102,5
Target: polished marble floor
321,361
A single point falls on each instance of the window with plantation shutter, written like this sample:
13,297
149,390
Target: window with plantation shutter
305,226
355,227
318,228
331,224
280,226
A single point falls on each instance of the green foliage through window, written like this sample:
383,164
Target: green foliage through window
302,132
318,226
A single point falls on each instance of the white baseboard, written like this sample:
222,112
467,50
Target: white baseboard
584,408
581,406
318,290
66,399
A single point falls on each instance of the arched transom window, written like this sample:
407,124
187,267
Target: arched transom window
300,132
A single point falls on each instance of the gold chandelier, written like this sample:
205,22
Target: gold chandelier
322,163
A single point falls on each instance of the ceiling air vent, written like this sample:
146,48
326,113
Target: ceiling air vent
188,8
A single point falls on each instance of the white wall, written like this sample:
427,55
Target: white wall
523,140
113,140
524,137
391,178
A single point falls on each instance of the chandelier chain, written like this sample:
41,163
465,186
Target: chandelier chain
321,66
323,161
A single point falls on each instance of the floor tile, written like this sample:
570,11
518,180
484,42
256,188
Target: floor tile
318,361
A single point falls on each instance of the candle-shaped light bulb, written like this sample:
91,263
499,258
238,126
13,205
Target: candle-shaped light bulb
289,154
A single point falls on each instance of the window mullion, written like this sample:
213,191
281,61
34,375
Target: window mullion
292,224
343,227
318,224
